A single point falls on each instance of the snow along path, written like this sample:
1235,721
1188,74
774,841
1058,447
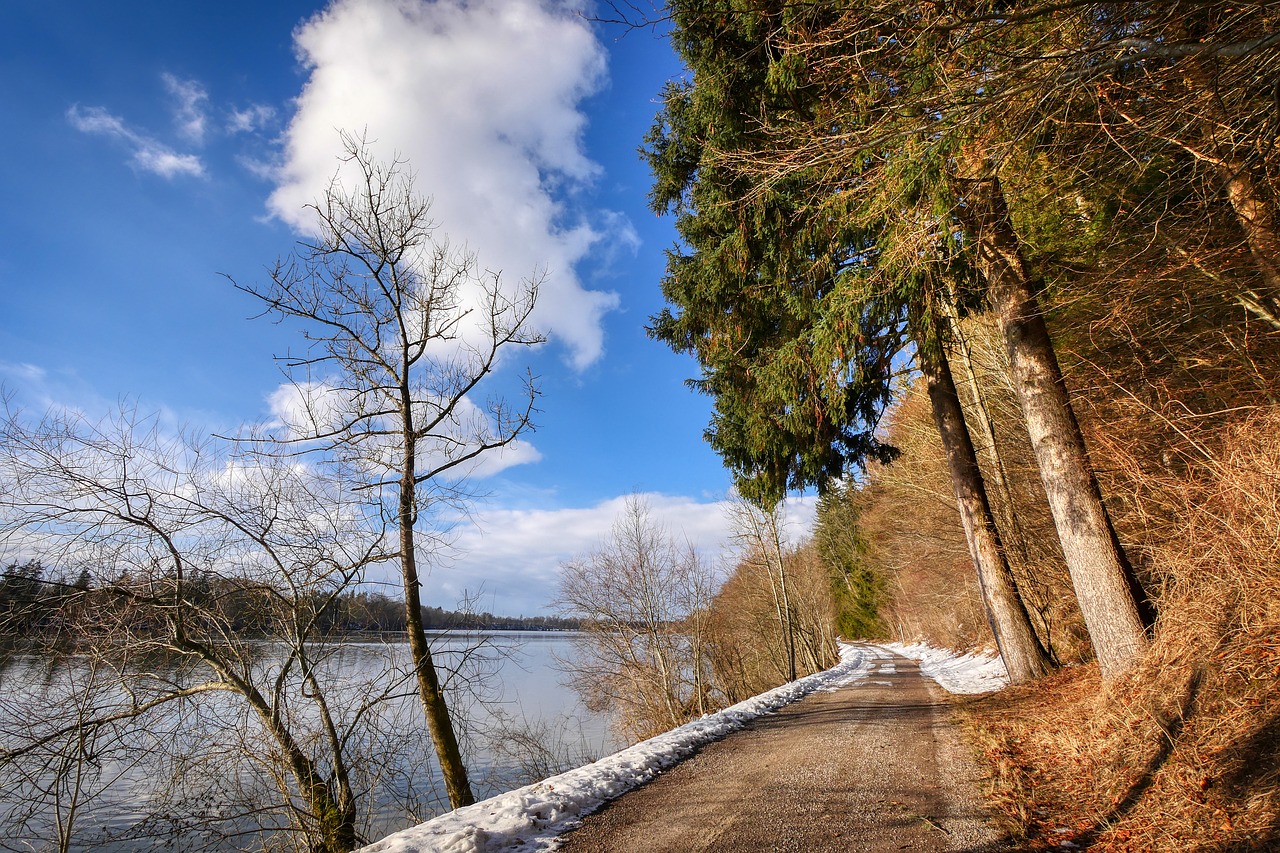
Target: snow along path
532,818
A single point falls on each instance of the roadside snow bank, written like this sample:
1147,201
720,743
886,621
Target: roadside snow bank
976,672
530,818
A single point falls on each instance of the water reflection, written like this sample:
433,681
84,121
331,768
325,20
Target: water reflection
195,776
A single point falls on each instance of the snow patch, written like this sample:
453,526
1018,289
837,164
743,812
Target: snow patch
975,672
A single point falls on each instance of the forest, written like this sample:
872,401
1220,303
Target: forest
1002,282
39,609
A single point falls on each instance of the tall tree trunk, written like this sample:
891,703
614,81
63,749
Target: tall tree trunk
1257,219
1106,589
1024,656
430,691
786,609
986,426
1005,509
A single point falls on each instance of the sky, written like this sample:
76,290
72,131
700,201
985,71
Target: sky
157,154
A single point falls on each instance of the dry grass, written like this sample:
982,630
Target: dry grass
1184,752
908,514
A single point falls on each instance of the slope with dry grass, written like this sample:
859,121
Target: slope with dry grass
1183,753
1178,388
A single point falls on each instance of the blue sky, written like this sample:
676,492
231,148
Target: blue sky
154,150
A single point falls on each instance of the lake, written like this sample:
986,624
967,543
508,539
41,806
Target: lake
517,722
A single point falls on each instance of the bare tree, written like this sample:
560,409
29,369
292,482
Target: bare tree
761,537
200,653
774,618
642,598
402,330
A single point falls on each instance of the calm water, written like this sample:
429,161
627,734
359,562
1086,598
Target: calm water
517,721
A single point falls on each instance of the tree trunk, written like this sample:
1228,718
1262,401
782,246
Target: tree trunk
1024,656
1105,587
1257,220
987,428
429,690
334,830
1014,538
786,608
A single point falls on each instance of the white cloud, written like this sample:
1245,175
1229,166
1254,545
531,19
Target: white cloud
482,98
303,408
307,408
514,555
167,163
149,155
189,112
23,371
494,462
252,118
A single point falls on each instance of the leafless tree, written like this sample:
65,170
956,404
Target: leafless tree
761,537
642,597
200,659
402,331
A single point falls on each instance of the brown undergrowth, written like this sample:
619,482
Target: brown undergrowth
1182,753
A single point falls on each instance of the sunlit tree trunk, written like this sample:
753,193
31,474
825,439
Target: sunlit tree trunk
1105,587
1257,220
1024,656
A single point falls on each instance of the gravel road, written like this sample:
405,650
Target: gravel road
873,767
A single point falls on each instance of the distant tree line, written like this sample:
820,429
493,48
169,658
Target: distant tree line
39,605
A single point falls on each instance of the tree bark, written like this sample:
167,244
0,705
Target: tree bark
1024,656
786,607
1005,510
439,723
1256,219
1106,589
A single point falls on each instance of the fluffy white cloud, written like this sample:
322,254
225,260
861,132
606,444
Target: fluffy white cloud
149,155
512,557
482,98
305,408
309,408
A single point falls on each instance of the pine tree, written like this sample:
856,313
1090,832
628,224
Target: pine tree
798,309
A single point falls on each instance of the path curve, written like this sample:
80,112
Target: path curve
876,766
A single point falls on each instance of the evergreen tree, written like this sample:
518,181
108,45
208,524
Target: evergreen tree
797,307
856,585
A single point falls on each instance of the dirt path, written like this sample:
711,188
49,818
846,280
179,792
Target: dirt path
876,766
